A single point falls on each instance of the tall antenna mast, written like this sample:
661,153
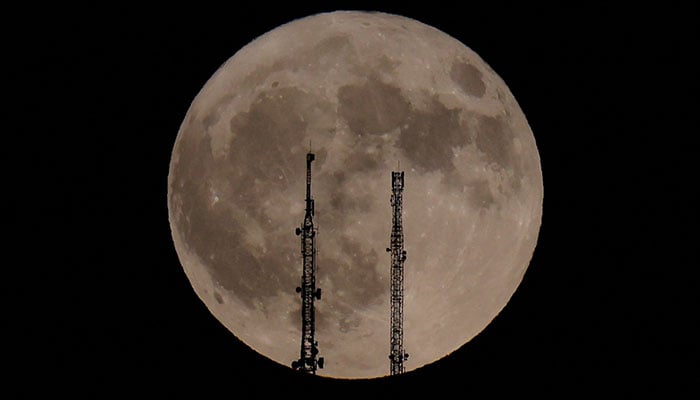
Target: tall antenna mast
397,354
308,361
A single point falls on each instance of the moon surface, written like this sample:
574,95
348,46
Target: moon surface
368,90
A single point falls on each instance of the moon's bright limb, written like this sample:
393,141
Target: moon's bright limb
369,90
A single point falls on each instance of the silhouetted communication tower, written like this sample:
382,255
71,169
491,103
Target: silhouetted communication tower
398,255
309,346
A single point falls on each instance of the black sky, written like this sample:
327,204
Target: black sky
101,304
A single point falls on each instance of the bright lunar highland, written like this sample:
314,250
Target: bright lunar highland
368,91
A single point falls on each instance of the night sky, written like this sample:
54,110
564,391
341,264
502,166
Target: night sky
101,305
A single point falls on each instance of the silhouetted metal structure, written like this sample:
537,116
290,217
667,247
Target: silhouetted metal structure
397,355
308,361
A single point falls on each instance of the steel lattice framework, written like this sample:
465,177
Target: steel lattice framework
397,354
308,361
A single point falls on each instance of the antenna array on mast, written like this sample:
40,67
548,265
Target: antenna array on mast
308,361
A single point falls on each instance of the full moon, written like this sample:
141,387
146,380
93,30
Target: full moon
368,92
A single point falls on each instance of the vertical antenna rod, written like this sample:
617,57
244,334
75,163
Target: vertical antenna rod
309,346
397,354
